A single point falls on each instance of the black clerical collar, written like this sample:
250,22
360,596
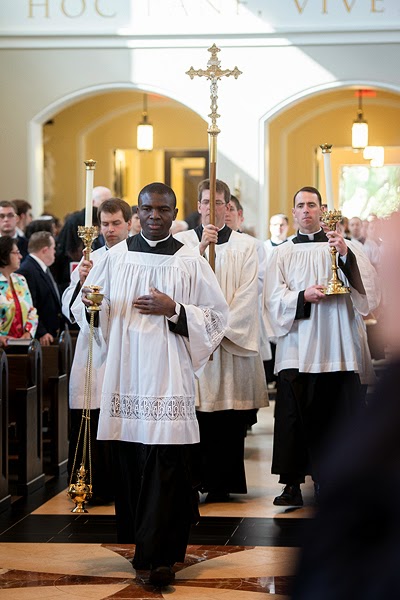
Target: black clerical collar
223,234
280,243
318,236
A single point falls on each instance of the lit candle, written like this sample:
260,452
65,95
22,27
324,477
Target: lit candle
90,166
326,152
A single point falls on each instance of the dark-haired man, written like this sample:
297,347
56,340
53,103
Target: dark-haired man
233,383
322,354
43,288
24,212
234,214
162,316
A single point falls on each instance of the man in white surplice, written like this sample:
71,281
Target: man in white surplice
233,383
115,219
322,355
162,316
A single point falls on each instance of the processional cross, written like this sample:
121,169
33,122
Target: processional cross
214,74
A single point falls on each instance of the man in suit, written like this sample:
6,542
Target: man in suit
43,288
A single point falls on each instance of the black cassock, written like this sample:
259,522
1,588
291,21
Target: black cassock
309,406
156,498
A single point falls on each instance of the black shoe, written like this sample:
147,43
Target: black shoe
161,576
217,497
291,496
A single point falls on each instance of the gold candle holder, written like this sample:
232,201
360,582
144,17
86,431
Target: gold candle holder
88,235
335,285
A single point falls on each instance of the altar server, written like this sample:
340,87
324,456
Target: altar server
162,316
233,383
322,354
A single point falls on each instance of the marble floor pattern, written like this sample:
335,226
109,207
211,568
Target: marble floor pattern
245,549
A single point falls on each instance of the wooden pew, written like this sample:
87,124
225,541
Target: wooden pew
25,417
5,496
57,360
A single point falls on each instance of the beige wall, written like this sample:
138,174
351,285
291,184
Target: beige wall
42,82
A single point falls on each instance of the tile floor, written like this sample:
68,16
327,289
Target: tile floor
241,550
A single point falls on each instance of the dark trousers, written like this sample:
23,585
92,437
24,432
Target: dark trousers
309,408
156,500
102,474
222,436
269,366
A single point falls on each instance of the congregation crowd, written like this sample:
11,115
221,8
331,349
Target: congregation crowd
186,356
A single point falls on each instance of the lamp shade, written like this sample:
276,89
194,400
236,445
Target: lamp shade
359,131
144,139
359,134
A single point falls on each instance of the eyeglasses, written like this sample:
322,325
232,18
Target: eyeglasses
217,203
15,252
7,216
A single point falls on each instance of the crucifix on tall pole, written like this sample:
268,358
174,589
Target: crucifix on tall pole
214,74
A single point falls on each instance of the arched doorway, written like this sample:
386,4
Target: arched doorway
97,126
292,133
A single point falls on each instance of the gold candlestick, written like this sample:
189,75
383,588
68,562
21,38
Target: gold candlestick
88,235
335,285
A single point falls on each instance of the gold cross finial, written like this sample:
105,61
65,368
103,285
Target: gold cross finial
214,74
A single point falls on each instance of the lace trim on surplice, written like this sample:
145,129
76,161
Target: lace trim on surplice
152,408
214,327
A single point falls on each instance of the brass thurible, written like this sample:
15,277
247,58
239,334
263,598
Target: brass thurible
81,491
95,297
335,285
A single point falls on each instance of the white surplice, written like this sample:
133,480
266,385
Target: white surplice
235,378
148,393
78,368
334,337
265,346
